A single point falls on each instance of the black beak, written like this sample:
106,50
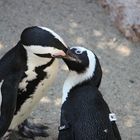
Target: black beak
71,56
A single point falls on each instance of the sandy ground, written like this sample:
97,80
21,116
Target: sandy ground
80,22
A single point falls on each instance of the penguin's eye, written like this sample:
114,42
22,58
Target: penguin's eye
78,52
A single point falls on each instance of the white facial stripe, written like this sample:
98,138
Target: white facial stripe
74,78
54,34
0,95
43,50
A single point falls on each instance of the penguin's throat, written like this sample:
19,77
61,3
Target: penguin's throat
35,61
73,80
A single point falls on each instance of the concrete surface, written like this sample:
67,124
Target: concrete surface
80,22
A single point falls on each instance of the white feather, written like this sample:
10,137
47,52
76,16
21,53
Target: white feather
42,50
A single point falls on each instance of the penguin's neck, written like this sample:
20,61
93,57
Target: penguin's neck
75,79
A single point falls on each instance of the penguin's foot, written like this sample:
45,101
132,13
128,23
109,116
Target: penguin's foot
30,130
10,135
6,136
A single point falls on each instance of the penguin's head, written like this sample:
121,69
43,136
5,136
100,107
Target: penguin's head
44,43
86,67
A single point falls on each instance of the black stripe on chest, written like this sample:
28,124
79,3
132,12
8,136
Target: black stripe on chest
31,86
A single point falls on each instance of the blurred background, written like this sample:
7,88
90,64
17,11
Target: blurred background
80,22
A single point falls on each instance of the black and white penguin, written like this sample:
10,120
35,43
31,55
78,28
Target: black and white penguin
84,113
26,71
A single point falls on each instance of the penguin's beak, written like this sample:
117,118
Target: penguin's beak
59,54
68,54
71,56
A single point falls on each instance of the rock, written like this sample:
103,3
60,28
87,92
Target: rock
126,16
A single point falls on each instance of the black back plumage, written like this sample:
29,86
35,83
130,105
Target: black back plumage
13,61
12,66
86,116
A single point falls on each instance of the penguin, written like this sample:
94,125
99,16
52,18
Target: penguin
26,71
85,115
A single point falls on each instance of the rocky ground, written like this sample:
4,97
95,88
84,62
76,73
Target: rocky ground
80,22
125,16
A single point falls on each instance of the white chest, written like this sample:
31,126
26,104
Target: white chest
39,91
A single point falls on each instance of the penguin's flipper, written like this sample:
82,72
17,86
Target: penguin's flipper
30,130
8,92
116,131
